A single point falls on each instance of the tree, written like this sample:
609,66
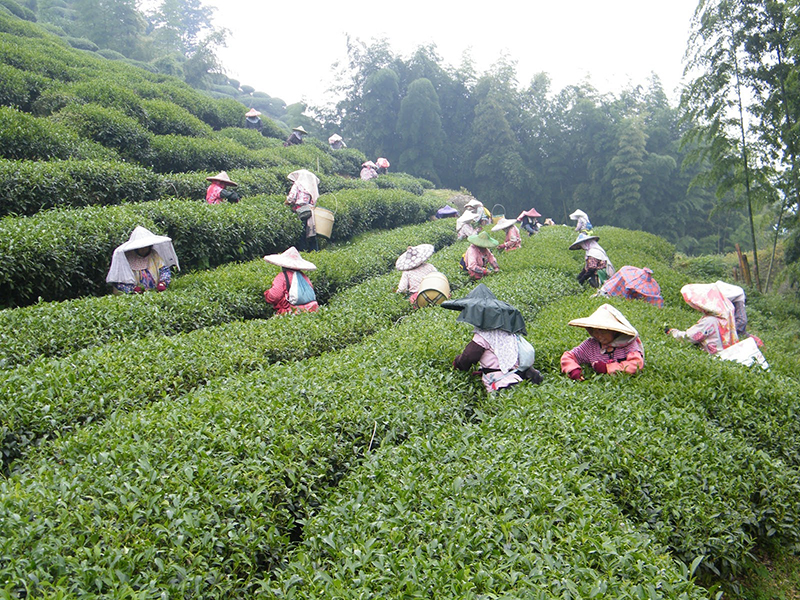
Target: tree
714,101
113,24
419,126
182,25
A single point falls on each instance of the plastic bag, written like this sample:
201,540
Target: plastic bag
526,354
300,292
745,352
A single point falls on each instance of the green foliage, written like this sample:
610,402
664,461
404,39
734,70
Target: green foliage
177,153
703,268
23,136
18,10
81,43
62,254
165,118
30,186
19,88
107,126
226,296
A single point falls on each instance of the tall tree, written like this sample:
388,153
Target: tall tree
714,101
419,126
182,25
112,24
627,167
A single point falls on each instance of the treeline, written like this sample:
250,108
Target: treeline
617,157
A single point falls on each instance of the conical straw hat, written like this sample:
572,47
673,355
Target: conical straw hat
223,177
504,224
582,237
290,259
609,318
414,257
482,240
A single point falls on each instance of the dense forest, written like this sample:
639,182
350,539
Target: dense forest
711,172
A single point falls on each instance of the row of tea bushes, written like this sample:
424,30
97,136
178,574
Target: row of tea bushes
28,187
493,509
70,77
53,396
61,254
23,136
31,186
201,496
241,463
223,459
197,300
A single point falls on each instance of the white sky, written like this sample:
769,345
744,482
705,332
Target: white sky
287,48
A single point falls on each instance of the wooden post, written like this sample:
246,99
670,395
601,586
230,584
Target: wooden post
744,266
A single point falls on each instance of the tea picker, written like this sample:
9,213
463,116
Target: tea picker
142,263
414,265
498,346
614,345
301,199
291,291
219,190
597,266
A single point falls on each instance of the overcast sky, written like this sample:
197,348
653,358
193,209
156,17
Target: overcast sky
287,49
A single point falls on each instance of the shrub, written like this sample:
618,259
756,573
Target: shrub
30,186
347,161
82,43
18,10
249,138
20,88
63,254
197,300
47,57
272,129
173,153
107,126
111,54
165,118
23,136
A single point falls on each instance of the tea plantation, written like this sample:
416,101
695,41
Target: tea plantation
190,444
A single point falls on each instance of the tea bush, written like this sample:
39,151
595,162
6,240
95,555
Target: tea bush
30,186
107,126
176,154
485,510
23,136
18,88
195,300
165,118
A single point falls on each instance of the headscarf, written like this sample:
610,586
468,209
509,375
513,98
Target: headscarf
141,237
505,346
306,180
709,299
594,250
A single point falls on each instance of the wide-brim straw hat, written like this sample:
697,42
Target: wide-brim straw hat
142,238
482,309
482,240
369,163
299,130
334,138
252,113
222,177
532,213
291,259
414,257
504,224
473,204
582,237
578,214
609,318
383,163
